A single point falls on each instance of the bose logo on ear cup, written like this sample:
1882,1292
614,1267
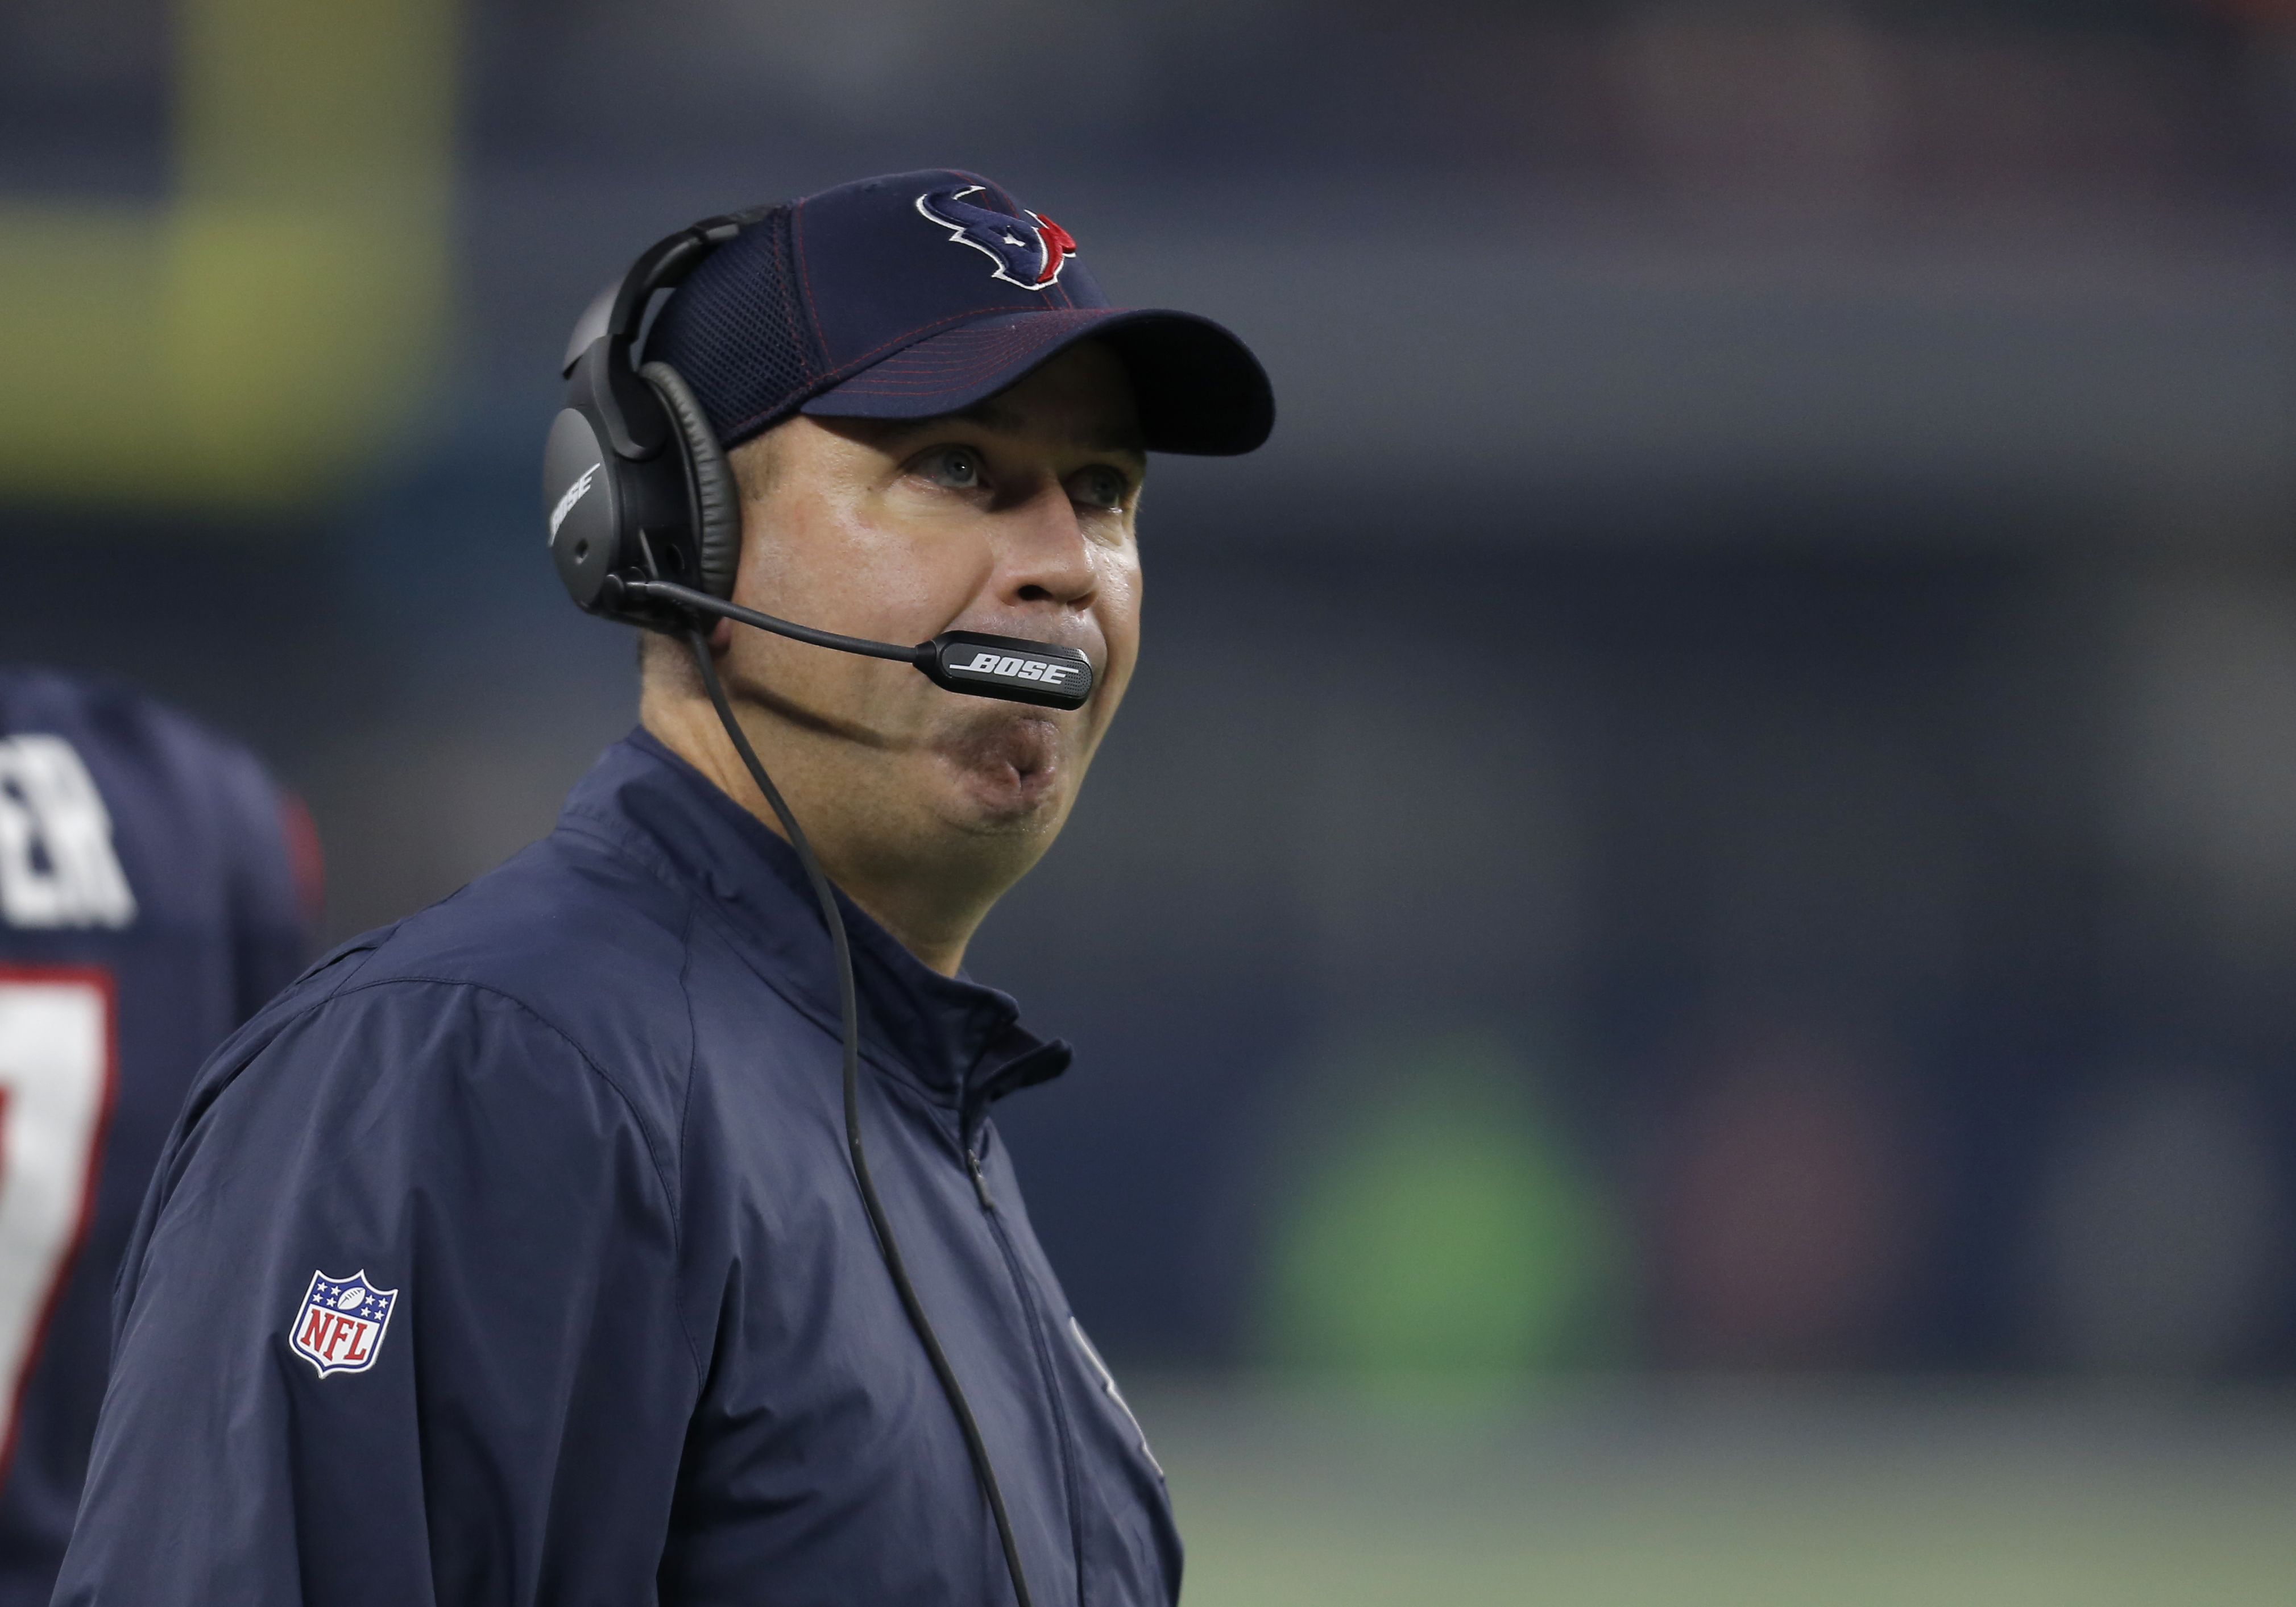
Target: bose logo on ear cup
585,504
574,494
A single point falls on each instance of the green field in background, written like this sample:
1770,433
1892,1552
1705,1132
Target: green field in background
1670,1496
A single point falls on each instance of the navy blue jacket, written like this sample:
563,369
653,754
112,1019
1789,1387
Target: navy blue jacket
512,1256
148,906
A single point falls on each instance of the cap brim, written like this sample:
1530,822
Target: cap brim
1199,388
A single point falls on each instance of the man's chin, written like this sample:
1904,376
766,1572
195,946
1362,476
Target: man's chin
1007,775
1025,811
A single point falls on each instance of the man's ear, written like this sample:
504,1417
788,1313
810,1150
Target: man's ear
717,534
753,463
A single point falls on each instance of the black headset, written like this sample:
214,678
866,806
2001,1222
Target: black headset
645,515
646,527
632,468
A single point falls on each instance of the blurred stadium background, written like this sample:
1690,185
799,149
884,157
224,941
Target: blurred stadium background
1718,1027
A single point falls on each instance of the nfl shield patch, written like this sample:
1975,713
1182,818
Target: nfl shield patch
340,1324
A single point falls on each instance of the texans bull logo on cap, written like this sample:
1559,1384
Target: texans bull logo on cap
1027,252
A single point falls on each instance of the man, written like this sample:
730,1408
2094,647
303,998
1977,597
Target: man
155,888
516,1255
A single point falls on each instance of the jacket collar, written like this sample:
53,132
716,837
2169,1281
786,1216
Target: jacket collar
960,1043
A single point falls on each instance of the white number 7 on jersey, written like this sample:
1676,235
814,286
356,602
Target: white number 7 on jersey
56,1077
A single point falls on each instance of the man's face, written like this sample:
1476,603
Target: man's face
1014,516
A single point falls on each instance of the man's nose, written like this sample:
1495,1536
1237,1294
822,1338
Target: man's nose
1046,557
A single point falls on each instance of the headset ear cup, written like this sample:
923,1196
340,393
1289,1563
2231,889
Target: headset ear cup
716,495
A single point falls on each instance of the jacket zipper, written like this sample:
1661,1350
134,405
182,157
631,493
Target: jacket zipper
1045,1370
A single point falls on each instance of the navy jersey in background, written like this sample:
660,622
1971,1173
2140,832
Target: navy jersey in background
155,890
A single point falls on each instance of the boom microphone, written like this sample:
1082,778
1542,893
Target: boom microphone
985,666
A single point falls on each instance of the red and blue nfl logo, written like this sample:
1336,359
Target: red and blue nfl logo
339,1326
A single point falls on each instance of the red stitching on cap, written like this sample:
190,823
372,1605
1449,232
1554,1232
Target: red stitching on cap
805,270
837,378
967,353
910,336
889,377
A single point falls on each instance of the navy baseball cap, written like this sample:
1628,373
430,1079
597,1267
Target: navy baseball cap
922,293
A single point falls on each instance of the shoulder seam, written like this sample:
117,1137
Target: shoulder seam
670,1195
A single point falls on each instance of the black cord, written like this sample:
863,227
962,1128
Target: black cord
848,1006
694,602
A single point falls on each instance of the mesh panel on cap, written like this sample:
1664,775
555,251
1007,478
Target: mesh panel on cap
737,333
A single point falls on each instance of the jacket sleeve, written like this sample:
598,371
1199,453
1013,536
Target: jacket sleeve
506,1431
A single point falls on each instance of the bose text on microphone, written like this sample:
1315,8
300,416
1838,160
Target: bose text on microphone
1007,667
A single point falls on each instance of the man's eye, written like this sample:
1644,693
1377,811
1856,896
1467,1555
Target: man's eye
1098,488
953,468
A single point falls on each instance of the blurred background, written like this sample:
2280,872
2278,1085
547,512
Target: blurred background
1719,1025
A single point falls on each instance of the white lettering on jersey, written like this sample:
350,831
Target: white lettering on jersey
57,867
56,1076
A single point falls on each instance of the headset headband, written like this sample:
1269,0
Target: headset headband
610,325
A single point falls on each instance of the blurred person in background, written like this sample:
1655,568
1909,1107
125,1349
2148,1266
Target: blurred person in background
524,1252
155,890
